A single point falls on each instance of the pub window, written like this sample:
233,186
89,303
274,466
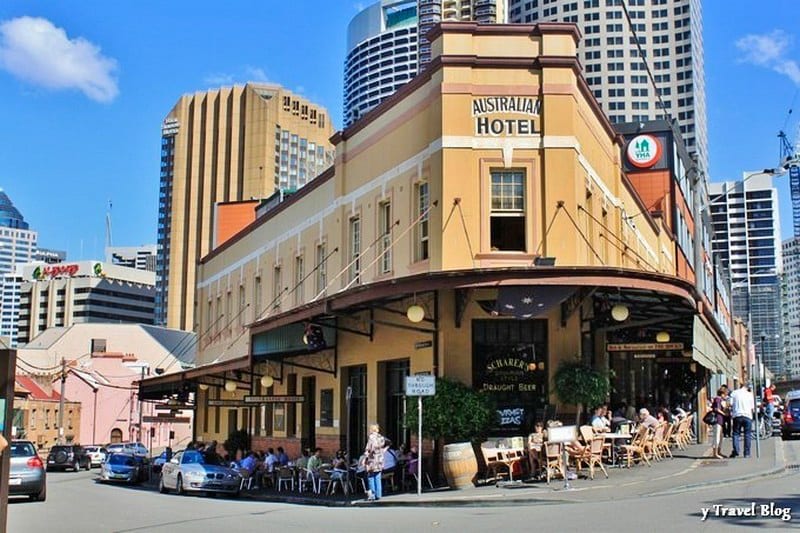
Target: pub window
220,315
322,276
385,227
299,274
355,249
257,305
422,202
276,287
326,407
291,407
98,345
228,310
242,305
507,219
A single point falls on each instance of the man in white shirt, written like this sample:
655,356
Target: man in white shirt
599,422
742,406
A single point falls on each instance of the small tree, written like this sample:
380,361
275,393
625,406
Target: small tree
579,384
456,413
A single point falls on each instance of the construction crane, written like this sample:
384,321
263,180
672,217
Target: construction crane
790,161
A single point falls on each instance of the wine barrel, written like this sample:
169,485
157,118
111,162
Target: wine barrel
459,464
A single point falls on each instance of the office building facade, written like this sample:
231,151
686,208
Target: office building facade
381,55
138,257
17,246
670,33
746,239
83,292
222,145
791,306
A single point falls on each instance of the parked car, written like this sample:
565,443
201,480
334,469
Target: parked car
97,454
121,467
132,448
27,475
159,461
65,456
791,415
187,471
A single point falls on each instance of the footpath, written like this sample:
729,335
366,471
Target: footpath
690,469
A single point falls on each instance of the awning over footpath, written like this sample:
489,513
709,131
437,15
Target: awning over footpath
158,387
707,351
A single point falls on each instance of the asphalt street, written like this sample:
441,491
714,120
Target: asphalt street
77,504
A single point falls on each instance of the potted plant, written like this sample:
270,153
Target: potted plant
579,384
456,416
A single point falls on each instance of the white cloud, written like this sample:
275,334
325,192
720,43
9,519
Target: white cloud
769,51
245,74
38,52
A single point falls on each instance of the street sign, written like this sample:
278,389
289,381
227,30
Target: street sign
227,403
644,346
420,385
274,399
166,419
168,407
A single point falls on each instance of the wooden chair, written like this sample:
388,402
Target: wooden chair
494,464
553,460
596,456
662,444
284,477
635,449
654,435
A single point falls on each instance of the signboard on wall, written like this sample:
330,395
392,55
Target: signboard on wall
644,346
505,116
644,151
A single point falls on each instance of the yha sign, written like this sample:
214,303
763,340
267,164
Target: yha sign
491,115
55,271
644,151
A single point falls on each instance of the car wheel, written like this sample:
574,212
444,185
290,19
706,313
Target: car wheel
785,436
40,497
179,486
88,465
161,487
76,466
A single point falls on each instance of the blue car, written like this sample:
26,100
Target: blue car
159,461
791,415
121,467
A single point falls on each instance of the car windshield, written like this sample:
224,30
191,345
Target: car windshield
91,448
22,449
193,458
118,459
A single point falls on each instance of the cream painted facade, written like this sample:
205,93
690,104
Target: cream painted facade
228,144
425,160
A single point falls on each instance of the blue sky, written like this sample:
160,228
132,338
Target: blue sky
83,101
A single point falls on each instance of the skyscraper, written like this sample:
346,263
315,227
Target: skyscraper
381,55
747,241
17,246
139,257
432,12
382,45
670,33
791,306
223,145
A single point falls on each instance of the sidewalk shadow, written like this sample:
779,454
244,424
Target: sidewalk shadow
752,512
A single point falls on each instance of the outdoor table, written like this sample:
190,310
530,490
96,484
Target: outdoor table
508,456
614,437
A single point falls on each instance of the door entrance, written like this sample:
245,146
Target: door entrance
309,414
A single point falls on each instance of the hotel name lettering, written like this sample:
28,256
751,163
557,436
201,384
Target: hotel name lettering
487,110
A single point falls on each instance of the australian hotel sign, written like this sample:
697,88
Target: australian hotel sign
505,116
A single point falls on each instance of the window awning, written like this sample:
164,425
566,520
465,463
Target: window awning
159,387
707,351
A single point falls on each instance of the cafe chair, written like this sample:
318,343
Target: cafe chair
285,477
305,478
494,461
554,464
596,456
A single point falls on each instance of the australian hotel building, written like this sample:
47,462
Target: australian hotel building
484,224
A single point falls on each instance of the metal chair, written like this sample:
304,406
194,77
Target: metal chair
285,476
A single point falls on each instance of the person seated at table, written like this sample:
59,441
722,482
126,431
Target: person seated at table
302,461
315,461
270,461
281,457
646,419
535,445
390,457
663,415
598,422
210,454
339,466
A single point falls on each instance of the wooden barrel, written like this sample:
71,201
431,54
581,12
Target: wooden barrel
459,464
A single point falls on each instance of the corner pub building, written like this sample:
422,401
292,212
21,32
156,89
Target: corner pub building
478,225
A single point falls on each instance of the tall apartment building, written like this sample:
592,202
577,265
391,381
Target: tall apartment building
791,306
223,145
83,292
747,241
381,55
386,45
139,257
432,12
17,246
670,33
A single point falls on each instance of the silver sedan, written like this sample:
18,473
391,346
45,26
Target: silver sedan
187,471
27,471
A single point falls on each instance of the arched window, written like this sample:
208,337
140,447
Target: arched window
116,435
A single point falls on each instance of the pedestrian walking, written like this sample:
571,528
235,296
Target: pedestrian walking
374,459
742,407
716,429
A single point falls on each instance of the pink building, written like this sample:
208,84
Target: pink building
104,362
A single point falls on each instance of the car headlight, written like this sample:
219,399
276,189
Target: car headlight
195,476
